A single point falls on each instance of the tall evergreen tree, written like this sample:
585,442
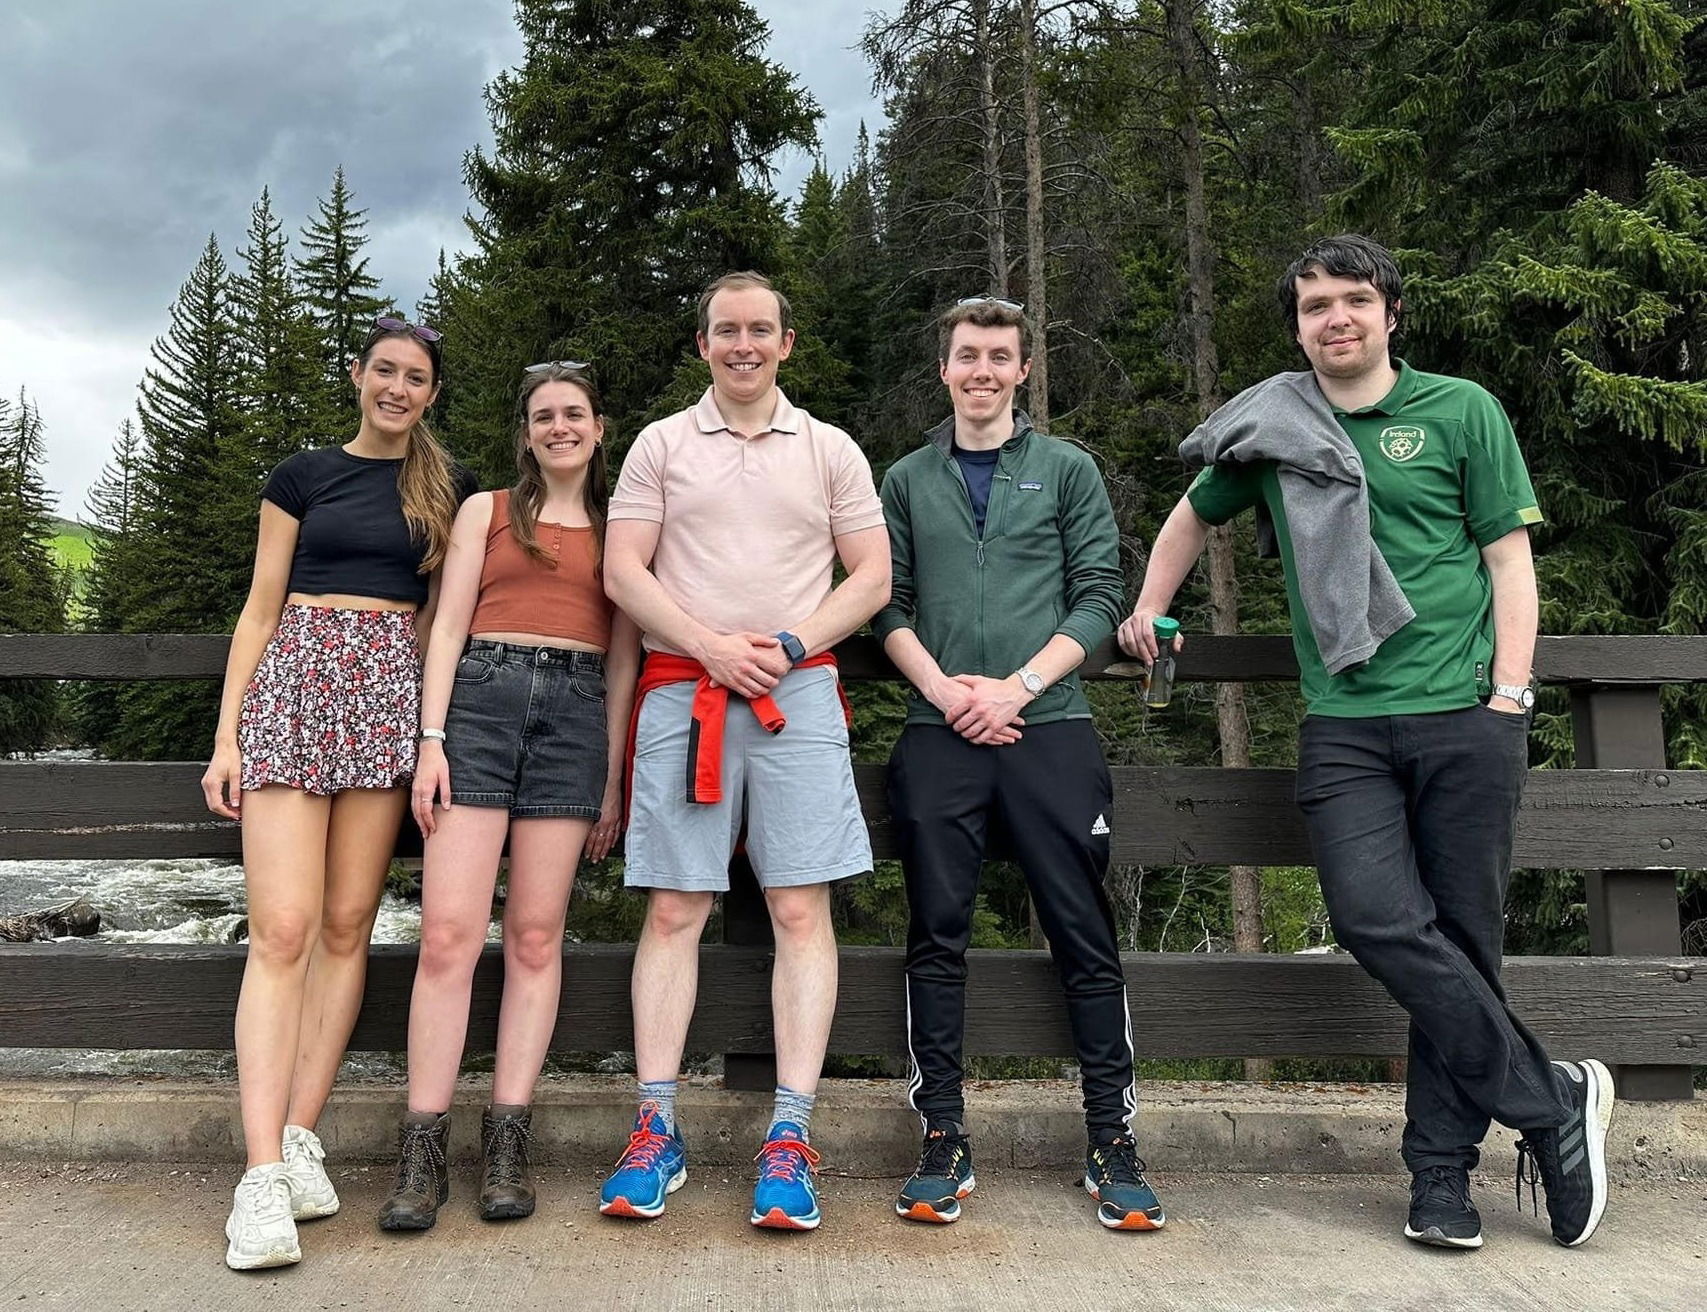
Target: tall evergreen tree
32,595
110,578
279,346
631,164
342,299
186,559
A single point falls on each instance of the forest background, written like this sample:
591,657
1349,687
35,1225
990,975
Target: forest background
1138,174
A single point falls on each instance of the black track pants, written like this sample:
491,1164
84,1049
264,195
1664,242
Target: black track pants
1050,792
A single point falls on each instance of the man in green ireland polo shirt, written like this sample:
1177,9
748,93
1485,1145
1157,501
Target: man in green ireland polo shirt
1412,756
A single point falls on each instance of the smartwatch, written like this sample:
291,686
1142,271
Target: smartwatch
1522,694
792,647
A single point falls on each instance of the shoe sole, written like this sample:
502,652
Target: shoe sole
276,1256
922,1211
1131,1221
620,1206
777,1219
1435,1237
313,1211
1597,1118
405,1225
506,1212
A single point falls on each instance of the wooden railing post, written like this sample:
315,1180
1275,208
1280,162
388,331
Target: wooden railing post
1631,913
746,923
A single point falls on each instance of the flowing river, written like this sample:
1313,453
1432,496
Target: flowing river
165,901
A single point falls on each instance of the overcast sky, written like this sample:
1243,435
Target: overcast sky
130,129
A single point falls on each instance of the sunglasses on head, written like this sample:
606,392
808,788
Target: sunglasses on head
391,324
543,365
1015,306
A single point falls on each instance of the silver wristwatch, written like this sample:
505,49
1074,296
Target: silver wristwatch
1030,680
1522,694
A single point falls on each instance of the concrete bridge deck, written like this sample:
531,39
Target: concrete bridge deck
114,1236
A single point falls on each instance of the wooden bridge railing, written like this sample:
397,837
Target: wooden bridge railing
1622,815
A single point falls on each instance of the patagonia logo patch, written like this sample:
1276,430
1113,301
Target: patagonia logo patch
1402,442
1031,487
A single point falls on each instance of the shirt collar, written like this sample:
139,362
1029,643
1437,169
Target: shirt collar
709,419
1396,397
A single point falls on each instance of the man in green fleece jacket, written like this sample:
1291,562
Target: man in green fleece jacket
1006,574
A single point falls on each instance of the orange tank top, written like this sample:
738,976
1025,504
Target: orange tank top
518,594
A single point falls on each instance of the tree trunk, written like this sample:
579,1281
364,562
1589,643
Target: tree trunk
1234,728
995,197
1036,289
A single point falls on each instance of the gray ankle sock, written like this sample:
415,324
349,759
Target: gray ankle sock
413,1117
796,1107
662,1092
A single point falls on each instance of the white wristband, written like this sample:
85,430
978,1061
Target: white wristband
437,735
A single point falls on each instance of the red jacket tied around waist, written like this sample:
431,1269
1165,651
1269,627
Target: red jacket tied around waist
704,782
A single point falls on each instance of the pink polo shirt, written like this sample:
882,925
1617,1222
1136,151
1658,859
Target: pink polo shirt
750,523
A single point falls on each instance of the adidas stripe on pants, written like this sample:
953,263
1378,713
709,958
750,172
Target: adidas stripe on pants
1051,796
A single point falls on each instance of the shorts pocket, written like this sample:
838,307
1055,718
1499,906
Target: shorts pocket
474,669
589,687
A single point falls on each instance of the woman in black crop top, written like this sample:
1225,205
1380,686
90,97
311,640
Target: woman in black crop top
316,736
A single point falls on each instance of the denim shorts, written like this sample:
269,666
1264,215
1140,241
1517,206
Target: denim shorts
526,730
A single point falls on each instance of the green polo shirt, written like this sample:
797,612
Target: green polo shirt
1445,478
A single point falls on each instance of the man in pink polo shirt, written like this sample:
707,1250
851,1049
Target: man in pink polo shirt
723,532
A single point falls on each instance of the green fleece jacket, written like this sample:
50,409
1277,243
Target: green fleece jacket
1048,563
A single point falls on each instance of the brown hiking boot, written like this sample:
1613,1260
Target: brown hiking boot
506,1184
423,1178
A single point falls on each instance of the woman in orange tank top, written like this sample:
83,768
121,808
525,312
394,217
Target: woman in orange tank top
525,700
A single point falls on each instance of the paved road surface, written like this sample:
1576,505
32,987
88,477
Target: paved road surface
112,1237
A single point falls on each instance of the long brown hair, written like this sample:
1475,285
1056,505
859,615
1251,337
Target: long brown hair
424,482
528,495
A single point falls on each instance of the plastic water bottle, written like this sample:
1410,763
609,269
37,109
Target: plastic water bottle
1159,682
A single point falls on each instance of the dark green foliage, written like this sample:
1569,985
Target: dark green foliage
32,590
180,561
339,297
282,348
631,164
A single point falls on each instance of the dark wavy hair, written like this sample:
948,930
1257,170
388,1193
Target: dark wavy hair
1349,255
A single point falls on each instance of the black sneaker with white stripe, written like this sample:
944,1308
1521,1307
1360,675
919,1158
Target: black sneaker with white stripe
1441,1211
1571,1158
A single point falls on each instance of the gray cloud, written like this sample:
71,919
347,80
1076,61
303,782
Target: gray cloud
129,131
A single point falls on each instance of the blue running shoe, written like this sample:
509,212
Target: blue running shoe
1114,1176
786,1197
653,1166
944,1176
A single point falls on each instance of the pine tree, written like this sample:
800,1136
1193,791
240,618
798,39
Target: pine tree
32,592
110,578
341,295
631,164
186,560
278,344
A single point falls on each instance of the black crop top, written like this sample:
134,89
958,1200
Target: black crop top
353,537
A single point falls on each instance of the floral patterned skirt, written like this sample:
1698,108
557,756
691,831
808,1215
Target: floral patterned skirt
335,702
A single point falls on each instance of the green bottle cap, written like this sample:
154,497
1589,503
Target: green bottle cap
1166,629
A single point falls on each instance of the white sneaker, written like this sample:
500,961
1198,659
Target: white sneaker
260,1227
311,1191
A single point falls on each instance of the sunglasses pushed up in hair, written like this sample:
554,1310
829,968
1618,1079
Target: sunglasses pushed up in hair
543,365
1015,306
388,323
